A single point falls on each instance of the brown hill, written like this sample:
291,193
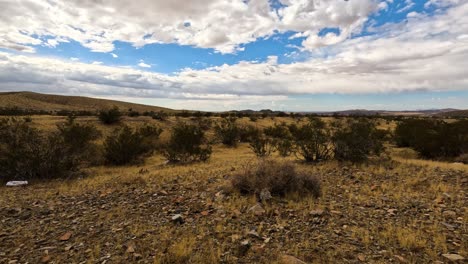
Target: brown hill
51,102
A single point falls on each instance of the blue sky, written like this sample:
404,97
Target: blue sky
291,55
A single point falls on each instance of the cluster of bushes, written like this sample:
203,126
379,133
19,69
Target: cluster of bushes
434,139
27,153
345,140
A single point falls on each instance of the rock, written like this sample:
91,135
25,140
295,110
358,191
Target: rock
361,257
219,196
178,219
205,213
316,212
449,214
45,259
265,195
244,247
400,258
253,233
257,210
453,257
288,259
65,236
130,249
16,183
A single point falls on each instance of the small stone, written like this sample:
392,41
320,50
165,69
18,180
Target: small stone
205,213
361,257
253,233
316,212
400,258
449,214
453,257
130,249
65,236
257,210
178,219
45,259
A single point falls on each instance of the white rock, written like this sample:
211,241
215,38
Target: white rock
16,183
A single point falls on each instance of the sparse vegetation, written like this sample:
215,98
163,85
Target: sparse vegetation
279,178
312,141
110,116
356,139
28,153
187,144
228,132
126,145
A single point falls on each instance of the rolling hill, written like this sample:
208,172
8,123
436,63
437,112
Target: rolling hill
50,102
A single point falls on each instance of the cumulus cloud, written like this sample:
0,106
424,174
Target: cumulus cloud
218,24
424,53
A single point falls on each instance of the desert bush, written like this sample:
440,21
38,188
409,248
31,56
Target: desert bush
110,116
126,145
278,131
279,178
228,132
312,141
161,115
433,138
284,147
355,139
248,133
187,144
27,153
262,146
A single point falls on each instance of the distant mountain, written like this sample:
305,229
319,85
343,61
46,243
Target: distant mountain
454,113
51,102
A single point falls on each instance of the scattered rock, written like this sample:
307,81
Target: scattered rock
257,210
453,257
449,214
130,249
400,258
361,257
65,236
45,259
178,219
316,212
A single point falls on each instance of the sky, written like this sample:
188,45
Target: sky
217,55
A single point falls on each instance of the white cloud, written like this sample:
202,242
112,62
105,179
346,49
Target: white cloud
143,64
218,24
114,55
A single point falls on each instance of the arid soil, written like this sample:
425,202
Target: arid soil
382,212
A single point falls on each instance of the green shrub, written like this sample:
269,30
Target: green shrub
249,133
285,147
433,138
312,141
356,139
279,178
126,145
187,144
27,153
161,116
110,116
262,146
228,132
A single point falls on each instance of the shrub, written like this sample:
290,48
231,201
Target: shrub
262,146
161,116
356,139
278,131
126,145
187,144
433,138
27,153
284,146
312,141
110,116
278,178
248,133
228,132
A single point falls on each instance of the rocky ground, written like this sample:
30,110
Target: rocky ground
385,212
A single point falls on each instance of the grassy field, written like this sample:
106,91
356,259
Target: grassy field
391,210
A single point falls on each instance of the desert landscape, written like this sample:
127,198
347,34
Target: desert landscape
394,207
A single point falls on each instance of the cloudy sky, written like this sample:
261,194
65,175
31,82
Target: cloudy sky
292,55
